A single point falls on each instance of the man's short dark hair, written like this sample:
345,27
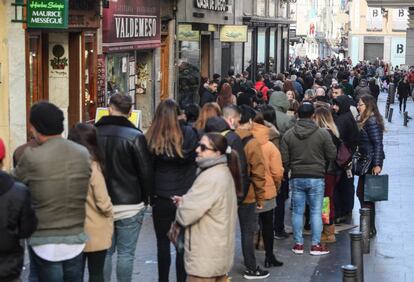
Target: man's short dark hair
122,103
246,114
192,112
306,110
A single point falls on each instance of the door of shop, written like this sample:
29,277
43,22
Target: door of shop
165,57
373,51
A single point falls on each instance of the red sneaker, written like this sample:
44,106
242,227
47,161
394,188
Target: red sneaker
298,249
319,250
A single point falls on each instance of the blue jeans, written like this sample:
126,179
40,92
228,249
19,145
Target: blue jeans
124,241
311,191
70,270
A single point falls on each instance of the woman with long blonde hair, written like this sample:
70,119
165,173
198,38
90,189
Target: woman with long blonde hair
323,118
173,145
207,111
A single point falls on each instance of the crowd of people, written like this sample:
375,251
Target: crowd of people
237,156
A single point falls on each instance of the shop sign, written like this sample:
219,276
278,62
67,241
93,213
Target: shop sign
374,19
400,19
398,50
212,5
47,14
101,82
129,25
233,33
58,58
185,33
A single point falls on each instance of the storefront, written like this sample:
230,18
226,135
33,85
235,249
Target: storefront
200,52
131,32
61,62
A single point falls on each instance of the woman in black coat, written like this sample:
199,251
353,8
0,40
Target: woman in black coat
172,144
370,143
403,92
374,88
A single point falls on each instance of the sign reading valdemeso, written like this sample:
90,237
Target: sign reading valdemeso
47,14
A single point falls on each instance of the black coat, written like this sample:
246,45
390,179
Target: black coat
128,166
174,176
345,122
403,89
207,97
17,221
370,142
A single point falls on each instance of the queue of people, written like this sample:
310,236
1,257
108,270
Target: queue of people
238,156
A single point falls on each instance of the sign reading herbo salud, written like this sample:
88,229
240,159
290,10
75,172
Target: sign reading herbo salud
47,14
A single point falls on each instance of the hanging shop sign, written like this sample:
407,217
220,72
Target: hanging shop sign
233,33
130,25
374,19
400,19
185,33
47,14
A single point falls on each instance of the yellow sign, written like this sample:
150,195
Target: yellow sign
185,33
135,116
233,33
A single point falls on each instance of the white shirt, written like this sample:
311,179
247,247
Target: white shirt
127,211
58,252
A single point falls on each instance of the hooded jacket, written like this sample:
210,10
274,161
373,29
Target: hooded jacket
362,89
17,221
345,121
279,101
255,168
272,161
306,149
218,124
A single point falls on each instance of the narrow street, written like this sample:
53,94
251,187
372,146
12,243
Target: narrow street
392,252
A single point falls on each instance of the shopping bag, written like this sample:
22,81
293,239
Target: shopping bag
325,210
376,188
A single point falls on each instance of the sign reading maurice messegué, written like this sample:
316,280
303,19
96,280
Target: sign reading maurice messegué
47,14
131,24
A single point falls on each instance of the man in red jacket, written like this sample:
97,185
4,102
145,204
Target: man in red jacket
261,87
411,79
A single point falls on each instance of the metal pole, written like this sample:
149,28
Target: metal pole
391,92
357,257
405,118
364,227
387,109
349,273
390,114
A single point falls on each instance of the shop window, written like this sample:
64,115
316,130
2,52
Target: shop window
188,72
117,73
248,52
261,8
272,55
90,98
261,50
282,10
272,8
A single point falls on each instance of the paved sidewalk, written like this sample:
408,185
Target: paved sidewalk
392,251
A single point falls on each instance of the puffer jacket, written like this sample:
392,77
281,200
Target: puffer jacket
128,163
173,175
279,101
209,213
17,221
272,161
370,141
345,122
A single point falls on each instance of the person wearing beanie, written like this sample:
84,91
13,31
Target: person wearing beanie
57,173
306,149
17,221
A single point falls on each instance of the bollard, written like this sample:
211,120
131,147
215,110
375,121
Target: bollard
364,227
357,257
390,114
349,273
387,109
391,92
405,118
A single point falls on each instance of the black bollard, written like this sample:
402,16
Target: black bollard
391,92
405,118
390,114
349,273
357,257
387,109
364,227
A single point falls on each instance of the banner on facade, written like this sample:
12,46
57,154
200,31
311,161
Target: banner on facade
185,33
135,118
233,33
400,19
47,14
374,19
130,25
398,50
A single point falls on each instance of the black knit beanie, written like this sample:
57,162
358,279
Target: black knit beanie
46,118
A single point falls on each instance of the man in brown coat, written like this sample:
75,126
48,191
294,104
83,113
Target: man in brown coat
255,196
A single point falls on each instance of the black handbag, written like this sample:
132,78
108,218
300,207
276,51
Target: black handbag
361,163
376,188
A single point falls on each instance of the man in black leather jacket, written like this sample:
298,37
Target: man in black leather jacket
128,175
17,221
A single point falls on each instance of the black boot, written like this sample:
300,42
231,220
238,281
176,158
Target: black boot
272,261
373,231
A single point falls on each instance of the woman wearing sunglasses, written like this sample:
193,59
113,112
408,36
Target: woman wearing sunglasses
208,211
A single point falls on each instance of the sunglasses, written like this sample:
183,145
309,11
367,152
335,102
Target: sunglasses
203,147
